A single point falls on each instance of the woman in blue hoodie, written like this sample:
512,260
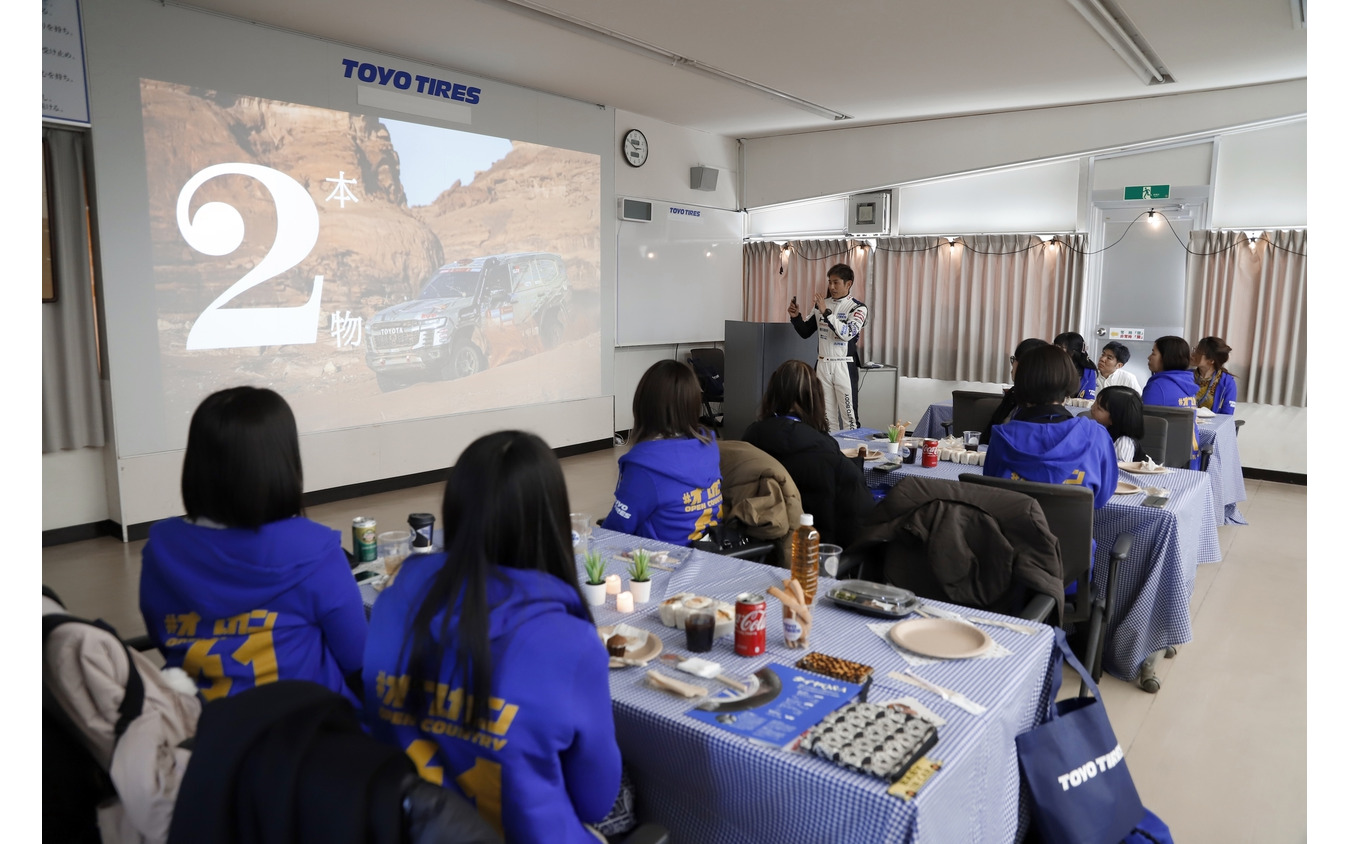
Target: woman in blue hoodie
483,662
1172,383
243,590
1073,343
1043,441
1214,385
670,481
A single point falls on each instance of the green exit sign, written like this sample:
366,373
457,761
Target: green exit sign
1148,192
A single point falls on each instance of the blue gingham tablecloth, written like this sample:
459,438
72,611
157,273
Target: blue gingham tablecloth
1225,466
1154,583
706,785
930,424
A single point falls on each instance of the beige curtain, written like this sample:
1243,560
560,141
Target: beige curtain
72,404
956,311
1253,294
768,291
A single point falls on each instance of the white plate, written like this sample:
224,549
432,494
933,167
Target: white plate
649,650
1126,488
942,638
1142,468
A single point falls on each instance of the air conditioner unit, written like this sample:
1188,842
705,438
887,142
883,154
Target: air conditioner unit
869,213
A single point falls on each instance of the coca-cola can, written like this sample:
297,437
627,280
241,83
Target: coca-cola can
930,454
751,624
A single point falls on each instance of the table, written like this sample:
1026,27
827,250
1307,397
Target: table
707,785
1225,466
1154,582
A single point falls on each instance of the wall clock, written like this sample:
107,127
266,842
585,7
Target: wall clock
635,148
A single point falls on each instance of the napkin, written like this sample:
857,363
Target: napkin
1203,412
636,636
677,687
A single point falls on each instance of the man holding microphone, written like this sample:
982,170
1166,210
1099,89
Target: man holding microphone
839,319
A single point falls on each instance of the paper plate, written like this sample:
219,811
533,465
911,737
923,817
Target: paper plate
942,638
1141,468
649,650
1125,488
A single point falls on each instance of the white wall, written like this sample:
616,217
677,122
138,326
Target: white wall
665,177
73,489
838,161
1262,178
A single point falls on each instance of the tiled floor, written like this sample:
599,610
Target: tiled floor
1220,753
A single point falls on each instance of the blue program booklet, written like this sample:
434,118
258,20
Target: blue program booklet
783,703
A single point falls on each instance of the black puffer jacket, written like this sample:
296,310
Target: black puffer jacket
831,485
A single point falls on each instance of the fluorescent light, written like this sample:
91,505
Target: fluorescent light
1121,35
651,51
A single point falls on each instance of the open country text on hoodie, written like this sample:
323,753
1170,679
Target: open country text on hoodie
546,760
669,489
236,607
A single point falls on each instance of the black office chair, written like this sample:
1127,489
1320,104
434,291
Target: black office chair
1180,434
1154,442
1068,511
710,366
972,410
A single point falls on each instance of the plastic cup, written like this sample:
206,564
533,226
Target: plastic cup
581,531
971,439
392,548
698,631
829,558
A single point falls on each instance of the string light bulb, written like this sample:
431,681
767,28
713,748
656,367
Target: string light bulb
1154,218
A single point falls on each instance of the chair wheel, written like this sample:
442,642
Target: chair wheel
1150,684
1169,652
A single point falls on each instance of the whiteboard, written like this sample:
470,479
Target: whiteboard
679,275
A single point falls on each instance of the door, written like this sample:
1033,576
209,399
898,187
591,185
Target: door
1141,267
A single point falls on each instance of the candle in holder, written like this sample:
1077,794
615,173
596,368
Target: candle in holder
623,602
613,585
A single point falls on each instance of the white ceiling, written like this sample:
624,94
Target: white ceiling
879,61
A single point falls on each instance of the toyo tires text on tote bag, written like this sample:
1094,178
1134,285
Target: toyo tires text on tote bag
1081,791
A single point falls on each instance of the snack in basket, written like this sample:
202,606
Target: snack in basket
617,645
836,667
871,739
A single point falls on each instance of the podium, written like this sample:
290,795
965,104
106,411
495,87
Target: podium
753,351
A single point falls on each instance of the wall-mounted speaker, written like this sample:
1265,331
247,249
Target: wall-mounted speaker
703,178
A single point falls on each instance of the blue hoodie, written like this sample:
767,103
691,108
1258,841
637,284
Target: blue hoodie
669,490
237,607
549,759
1087,385
1076,450
1223,399
1174,388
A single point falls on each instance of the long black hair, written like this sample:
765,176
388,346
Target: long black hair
1073,343
242,465
666,403
505,505
1126,409
795,390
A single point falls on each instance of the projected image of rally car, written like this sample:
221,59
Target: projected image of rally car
470,315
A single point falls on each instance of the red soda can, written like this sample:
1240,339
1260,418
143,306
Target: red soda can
751,624
930,454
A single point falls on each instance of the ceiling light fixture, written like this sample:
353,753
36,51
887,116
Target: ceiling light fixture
555,18
1121,35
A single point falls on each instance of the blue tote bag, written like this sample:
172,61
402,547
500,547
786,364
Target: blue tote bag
1081,791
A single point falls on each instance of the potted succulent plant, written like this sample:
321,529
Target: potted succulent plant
893,434
594,587
640,576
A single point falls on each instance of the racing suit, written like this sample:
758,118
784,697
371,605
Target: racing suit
837,356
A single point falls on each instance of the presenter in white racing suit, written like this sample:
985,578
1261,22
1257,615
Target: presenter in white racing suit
838,319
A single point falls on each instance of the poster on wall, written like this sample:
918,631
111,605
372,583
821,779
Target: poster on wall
368,269
65,94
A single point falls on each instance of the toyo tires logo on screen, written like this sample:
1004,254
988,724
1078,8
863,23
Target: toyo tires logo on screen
217,229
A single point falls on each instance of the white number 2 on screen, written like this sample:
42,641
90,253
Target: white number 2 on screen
218,229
